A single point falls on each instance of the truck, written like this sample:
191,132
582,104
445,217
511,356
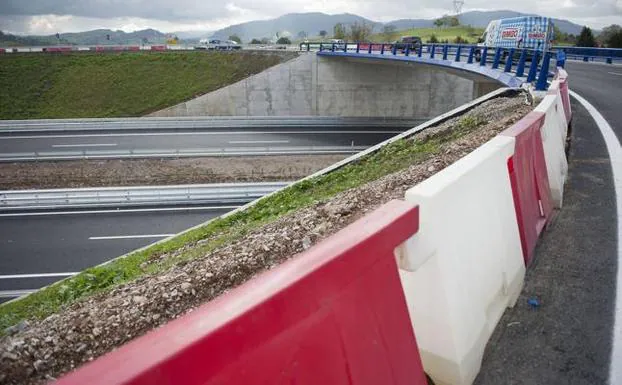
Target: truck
532,32
217,44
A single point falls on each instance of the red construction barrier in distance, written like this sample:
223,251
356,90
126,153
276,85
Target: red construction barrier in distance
335,314
158,48
529,179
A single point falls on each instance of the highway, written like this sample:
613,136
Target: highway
73,139
62,243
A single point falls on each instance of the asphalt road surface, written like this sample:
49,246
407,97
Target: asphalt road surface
568,339
44,139
38,244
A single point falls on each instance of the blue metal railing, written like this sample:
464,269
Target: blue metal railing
517,61
608,55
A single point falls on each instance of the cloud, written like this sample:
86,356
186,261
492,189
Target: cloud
45,16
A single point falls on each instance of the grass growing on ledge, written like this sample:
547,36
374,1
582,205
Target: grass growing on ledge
392,158
98,85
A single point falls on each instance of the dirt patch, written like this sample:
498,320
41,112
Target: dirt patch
145,172
42,350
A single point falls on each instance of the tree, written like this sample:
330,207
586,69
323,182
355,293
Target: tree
323,34
433,39
283,40
265,40
615,40
460,40
359,31
438,23
302,35
586,38
235,38
339,31
255,41
388,30
608,32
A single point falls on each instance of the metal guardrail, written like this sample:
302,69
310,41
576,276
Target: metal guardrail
177,153
607,55
196,124
513,60
221,193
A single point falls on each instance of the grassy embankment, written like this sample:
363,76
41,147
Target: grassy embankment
90,85
470,34
392,158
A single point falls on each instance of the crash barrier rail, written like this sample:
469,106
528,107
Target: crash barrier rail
177,153
532,64
220,193
607,55
335,314
238,123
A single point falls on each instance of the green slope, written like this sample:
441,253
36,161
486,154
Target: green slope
80,85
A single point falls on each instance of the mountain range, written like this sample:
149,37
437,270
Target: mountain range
313,23
291,24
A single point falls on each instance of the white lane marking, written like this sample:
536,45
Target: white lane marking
615,154
257,141
105,238
195,133
41,275
15,293
164,209
615,73
86,145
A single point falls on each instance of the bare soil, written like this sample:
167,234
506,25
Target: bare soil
45,349
145,172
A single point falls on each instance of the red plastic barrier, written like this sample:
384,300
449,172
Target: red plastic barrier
565,94
529,179
2,50
335,314
158,48
57,49
133,48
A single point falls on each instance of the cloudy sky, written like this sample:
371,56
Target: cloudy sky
51,16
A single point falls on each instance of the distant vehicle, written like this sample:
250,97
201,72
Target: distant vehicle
412,43
216,44
339,44
532,32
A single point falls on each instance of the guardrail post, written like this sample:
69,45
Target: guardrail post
458,52
544,73
407,52
483,57
471,53
520,68
333,47
534,67
445,51
358,47
420,53
497,59
345,47
369,48
586,59
382,49
509,61
433,51
609,60
394,49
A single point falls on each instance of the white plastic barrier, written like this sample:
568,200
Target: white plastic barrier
465,266
553,134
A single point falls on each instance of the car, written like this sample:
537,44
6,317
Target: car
412,43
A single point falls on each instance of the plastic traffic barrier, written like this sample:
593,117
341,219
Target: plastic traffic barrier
562,76
335,314
553,133
465,265
530,183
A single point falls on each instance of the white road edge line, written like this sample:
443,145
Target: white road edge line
615,73
40,275
257,141
86,145
15,293
208,208
615,154
194,133
105,238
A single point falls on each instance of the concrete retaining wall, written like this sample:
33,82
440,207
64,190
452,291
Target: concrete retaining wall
336,86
